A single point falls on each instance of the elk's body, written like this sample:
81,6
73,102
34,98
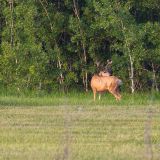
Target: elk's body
106,83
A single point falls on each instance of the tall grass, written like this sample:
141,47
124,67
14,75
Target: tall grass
42,98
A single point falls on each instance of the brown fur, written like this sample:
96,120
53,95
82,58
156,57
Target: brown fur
106,83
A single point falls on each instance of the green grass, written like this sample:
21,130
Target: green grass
77,99
73,127
77,132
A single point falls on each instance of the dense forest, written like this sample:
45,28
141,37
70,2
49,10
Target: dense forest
60,44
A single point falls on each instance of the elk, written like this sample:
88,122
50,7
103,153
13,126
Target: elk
104,82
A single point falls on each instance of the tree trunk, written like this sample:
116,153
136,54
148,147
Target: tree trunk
85,77
131,74
154,85
86,81
127,46
60,67
11,22
47,14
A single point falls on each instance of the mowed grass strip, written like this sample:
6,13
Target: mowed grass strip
77,132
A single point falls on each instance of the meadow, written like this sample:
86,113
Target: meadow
73,127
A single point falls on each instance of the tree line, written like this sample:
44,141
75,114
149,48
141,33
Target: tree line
60,44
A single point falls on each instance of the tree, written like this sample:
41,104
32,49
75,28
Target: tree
54,45
22,59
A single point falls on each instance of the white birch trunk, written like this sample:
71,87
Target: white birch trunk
60,67
130,59
11,22
131,74
85,77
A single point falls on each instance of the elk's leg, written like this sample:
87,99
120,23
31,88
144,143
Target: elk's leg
94,94
99,95
118,97
118,94
115,93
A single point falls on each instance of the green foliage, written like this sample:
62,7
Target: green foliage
52,44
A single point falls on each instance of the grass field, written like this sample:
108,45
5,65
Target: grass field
76,128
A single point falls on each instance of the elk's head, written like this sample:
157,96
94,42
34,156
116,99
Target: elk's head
104,73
